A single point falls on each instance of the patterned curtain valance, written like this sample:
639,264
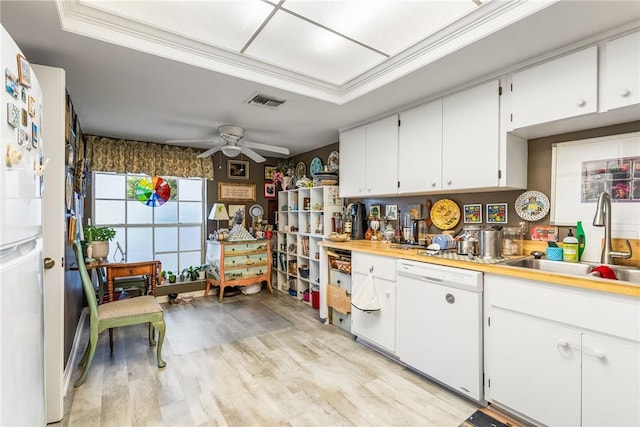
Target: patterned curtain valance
125,156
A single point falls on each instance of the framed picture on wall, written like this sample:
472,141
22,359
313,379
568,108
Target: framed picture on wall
496,212
233,210
269,190
24,71
473,214
237,169
269,171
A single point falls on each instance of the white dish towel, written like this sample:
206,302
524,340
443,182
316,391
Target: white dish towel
366,298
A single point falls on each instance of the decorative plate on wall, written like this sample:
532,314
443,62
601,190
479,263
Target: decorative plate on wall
301,170
445,214
532,205
333,162
315,167
256,211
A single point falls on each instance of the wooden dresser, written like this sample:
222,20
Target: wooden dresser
238,264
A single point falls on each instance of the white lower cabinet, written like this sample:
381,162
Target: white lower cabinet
610,382
562,356
376,327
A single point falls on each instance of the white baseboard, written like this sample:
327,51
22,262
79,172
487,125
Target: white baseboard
73,356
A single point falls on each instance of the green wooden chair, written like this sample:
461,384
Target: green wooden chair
132,311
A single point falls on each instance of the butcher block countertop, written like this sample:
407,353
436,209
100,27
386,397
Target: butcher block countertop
385,249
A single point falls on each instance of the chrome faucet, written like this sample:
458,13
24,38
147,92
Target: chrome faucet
603,219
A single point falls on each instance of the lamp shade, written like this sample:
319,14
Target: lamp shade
218,211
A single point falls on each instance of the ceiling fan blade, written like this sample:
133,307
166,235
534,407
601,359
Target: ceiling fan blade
209,152
188,141
252,155
266,147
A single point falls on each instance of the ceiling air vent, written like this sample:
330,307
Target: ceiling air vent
265,101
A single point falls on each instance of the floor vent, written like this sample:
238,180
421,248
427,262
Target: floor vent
265,101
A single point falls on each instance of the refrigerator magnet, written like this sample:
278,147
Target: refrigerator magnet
32,106
11,83
24,71
23,138
34,135
13,115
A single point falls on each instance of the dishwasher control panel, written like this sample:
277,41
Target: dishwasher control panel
449,276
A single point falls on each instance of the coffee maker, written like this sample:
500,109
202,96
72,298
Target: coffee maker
358,213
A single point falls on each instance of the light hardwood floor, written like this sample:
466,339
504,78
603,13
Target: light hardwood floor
303,374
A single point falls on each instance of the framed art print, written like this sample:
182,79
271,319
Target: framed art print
496,213
473,214
237,169
391,212
24,71
374,211
269,190
269,171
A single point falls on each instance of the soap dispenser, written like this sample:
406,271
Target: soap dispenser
582,240
570,248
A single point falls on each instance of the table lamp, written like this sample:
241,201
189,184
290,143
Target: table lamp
218,212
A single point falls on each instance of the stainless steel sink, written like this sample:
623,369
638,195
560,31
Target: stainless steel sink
551,266
623,273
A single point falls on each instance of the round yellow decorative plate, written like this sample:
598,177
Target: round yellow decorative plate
445,214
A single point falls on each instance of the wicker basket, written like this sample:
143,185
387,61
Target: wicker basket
340,265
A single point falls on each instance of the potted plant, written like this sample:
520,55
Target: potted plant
171,276
98,239
192,272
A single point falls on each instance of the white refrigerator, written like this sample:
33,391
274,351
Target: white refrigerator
22,396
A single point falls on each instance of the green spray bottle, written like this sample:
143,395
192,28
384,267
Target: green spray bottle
582,241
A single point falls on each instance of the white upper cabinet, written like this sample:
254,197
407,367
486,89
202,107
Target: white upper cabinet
558,89
382,156
622,78
471,138
420,149
353,143
369,159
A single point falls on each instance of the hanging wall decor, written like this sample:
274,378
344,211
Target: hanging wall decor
153,193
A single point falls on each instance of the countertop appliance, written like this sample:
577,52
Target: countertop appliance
439,324
358,213
21,265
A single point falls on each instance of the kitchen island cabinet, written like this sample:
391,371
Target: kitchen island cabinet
375,327
562,356
369,159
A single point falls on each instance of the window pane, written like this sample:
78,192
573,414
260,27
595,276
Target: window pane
109,186
169,262
190,189
190,238
139,244
132,184
190,212
108,212
166,239
188,259
138,213
167,213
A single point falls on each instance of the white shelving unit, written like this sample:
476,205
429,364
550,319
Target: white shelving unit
304,219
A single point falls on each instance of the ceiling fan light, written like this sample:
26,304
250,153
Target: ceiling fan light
231,150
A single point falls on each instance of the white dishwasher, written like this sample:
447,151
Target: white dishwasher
439,324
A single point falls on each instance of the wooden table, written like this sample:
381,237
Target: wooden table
129,269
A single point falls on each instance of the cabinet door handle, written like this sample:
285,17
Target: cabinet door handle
449,182
624,92
433,184
599,354
581,102
563,343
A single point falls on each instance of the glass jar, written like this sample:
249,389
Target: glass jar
512,241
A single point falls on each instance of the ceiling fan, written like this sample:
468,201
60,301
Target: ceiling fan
232,144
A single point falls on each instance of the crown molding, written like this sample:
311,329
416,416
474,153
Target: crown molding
80,19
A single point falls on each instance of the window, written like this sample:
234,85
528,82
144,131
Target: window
172,232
